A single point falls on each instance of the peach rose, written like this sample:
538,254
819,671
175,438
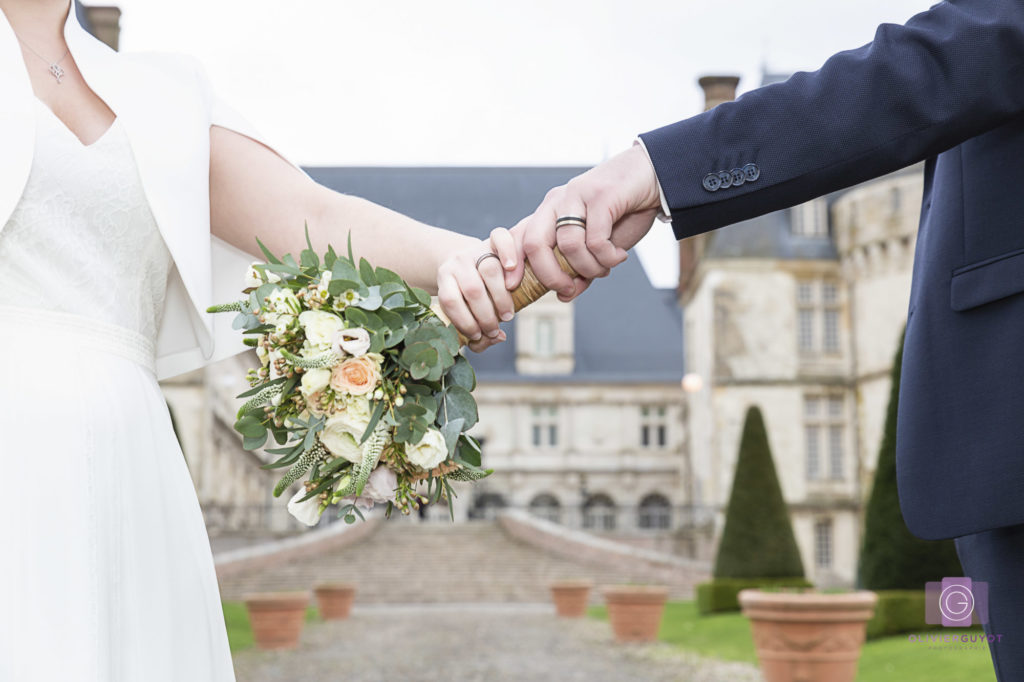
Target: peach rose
357,376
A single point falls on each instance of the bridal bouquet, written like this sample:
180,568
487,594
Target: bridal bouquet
361,385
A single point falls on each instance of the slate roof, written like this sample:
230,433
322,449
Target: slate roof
626,331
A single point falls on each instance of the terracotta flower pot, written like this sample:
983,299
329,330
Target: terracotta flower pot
808,635
334,600
277,618
570,598
635,611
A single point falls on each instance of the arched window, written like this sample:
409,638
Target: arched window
655,512
546,506
486,506
599,513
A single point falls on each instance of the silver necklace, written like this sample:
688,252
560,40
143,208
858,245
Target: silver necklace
55,70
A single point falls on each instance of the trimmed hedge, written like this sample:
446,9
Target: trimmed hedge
757,540
898,611
721,594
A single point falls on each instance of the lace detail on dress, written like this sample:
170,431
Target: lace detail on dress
82,240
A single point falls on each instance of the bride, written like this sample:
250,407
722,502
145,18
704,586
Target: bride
130,199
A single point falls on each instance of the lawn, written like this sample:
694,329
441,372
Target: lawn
237,621
727,637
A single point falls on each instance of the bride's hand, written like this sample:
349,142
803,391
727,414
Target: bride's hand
471,289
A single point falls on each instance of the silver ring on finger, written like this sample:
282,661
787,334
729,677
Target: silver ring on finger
570,221
483,257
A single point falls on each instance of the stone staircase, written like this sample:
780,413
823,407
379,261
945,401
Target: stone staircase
406,562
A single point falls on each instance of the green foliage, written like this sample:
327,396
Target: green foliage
720,595
757,541
898,611
892,558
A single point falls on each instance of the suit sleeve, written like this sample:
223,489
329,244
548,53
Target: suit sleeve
916,90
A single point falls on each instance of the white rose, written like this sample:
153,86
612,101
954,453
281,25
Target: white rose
382,485
355,341
309,511
314,380
429,452
320,326
340,441
356,412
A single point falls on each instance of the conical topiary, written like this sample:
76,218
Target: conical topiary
757,541
892,558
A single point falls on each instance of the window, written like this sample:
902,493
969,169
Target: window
544,426
655,513
653,426
823,419
810,219
599,513
486,506
817,317
546,506
545,341
823,543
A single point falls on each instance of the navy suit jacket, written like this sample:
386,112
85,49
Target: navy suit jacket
948,88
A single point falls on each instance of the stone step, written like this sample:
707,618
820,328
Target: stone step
407,562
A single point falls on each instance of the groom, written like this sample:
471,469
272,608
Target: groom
947,88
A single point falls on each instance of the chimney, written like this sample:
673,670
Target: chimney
105,23
717,89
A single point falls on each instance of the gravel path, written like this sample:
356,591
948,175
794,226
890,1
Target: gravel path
470,643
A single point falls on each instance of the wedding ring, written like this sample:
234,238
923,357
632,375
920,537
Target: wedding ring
571,220
484,257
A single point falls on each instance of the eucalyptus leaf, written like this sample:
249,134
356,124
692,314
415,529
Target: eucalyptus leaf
462,374
459,403
254,443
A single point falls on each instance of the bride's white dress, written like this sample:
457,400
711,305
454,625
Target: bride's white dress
106,573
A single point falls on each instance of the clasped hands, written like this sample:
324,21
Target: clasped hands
616,202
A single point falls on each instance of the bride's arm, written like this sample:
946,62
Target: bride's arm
256,193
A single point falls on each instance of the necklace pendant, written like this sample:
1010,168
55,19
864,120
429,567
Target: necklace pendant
57,72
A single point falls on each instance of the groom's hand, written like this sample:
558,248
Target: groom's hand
617,199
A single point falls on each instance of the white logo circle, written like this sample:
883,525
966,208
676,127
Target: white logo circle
956,602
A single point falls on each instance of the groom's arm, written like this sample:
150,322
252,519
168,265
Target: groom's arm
917,89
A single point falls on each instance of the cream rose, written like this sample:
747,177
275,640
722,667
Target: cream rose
357,376
320,327
429,452
314,380
338,438
343,429
355,341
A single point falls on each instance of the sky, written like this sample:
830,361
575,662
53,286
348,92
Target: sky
481,82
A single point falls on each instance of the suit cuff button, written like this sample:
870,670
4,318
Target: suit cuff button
751,172
738,176
726,178
712,182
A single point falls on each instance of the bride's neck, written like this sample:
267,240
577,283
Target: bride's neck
39,21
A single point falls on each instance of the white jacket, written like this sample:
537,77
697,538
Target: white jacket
166,106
